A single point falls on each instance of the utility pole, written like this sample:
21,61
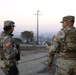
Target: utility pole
37,26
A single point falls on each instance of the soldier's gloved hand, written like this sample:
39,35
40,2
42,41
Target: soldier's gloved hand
49,64
9,65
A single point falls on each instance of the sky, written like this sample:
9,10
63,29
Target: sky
23,13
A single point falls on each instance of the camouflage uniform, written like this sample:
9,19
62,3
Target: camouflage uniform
63,66
7,50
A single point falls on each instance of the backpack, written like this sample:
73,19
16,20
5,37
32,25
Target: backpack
69,42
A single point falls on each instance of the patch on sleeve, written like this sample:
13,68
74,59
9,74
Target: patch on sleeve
7,44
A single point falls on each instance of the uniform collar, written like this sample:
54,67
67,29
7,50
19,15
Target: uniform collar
68,28
8,33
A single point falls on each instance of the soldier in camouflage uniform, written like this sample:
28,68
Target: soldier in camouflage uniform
8,50
66,60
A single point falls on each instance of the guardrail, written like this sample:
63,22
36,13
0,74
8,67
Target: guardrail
31,47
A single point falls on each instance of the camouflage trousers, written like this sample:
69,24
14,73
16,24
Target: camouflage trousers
7,72
12,70
65,66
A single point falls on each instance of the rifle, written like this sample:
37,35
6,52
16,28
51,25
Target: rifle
18,54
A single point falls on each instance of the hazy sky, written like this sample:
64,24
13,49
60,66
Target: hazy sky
22,12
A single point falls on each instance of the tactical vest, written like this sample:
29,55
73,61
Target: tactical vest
68,44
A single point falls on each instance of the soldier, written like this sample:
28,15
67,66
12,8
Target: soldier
65,43
8,50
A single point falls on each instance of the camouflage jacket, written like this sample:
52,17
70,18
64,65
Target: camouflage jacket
56,42
7,50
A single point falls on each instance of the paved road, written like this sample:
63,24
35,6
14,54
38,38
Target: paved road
33,63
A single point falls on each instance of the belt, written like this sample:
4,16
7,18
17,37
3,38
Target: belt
67,55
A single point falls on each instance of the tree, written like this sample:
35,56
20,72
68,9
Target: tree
28,35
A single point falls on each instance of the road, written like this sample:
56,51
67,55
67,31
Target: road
33,63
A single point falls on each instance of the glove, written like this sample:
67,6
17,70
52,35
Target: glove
49,65
49,61
8,64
